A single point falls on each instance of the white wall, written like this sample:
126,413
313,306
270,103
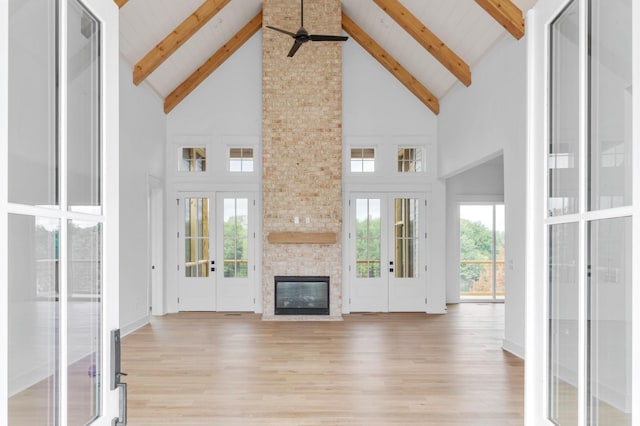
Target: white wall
477,122
142,147
226,109
483,183
379,111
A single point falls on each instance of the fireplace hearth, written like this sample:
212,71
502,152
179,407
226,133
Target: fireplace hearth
306,295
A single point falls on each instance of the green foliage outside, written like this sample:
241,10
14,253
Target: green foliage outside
235,247
368,248
476,244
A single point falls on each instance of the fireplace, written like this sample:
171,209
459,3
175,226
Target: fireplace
301,295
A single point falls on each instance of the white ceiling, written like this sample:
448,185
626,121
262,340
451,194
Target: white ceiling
461,24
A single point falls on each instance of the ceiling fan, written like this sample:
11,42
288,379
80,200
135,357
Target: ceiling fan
302,36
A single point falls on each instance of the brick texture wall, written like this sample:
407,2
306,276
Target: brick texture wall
302,145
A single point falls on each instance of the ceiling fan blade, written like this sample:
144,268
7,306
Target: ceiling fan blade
282,31
319,37
294,48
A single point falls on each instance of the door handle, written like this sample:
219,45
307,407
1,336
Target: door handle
391,266
213,269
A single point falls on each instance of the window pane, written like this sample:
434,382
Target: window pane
368,238
406,238
410,160
193,160
84,321
476,251
500,251
236,237
564,146
83,140
196,241
610,107
33,144
34,312
609,328
563,323
241,160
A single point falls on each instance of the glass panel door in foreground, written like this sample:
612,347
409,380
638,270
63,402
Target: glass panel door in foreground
482,251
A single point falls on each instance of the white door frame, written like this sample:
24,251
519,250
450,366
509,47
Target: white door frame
107,13
387,240
537,347
155,245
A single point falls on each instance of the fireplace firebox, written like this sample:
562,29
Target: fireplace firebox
301,295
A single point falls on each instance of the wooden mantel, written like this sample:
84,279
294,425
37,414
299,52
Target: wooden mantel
302,238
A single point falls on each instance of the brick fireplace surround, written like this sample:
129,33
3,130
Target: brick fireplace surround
302,147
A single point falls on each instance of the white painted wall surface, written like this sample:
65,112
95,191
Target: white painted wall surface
483,183
142,148
225,110
379,111
475,123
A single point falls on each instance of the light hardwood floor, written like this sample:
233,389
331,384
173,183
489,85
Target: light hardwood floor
370,369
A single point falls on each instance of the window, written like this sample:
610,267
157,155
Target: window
363,160
236,237
482,251
410,160
241,160
193,160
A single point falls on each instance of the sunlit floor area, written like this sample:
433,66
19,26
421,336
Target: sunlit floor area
370,369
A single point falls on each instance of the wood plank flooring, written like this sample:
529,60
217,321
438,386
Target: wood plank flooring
370,369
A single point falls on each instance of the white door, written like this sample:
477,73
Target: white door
216,241
59,258
388,252
197,266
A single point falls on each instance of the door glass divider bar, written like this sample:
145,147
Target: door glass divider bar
635,248
4,226
583,134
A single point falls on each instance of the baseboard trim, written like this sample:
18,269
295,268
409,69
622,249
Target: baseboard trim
131,327
513,349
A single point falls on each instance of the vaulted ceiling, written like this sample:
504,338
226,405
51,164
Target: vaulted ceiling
429,45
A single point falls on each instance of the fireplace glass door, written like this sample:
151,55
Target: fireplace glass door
387,252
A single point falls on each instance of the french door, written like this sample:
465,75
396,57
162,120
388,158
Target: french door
387,248
216,251
58,211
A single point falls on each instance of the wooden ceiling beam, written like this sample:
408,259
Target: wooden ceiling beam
211,64
390,64
507,14
176,38
120,3
427,39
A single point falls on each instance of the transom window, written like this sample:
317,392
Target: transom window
409,159
193,159
363,160
241,160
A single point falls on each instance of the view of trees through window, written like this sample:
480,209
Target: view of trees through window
482,251
236,237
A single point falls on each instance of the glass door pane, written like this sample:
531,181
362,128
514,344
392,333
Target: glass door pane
34,320
84,305
196,241
563,323
609,322
407,244
499,252
83,109
33,97
368,238
476,251
564,147
610,104
236,237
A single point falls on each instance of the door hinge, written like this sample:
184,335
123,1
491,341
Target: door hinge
349,300
178,300
254,235
425,300
425,202
178,201
178,234
349,235
178,267
425,235
254,267
254,203
349,267
349,206
425,267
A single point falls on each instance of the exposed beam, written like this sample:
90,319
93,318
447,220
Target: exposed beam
390,64
176,38
212,63
427,39
120,3
507,14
